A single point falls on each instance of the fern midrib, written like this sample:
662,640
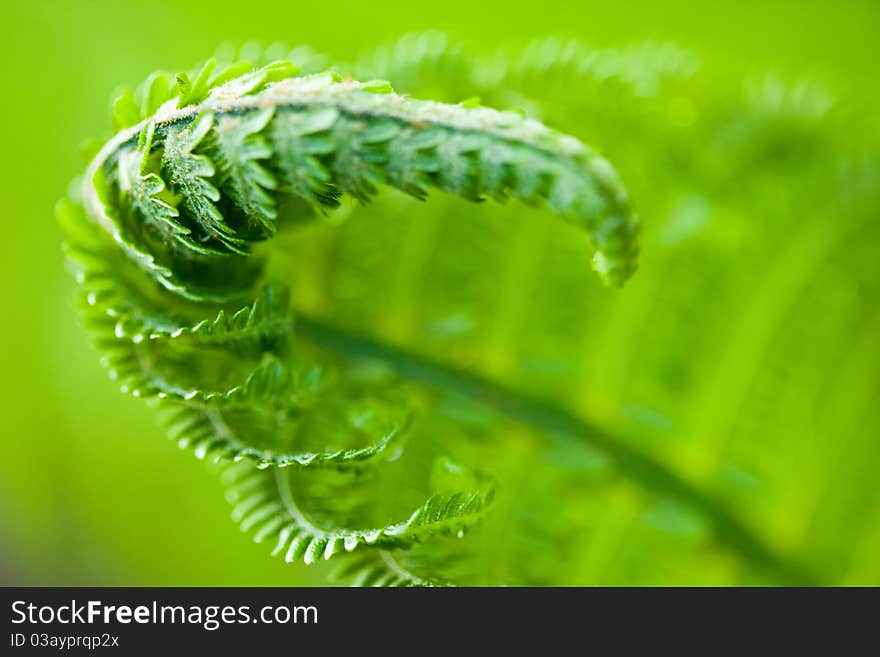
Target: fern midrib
561,425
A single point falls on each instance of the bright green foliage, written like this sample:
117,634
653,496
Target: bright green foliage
295,266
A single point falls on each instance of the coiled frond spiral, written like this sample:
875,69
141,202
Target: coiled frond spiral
174,234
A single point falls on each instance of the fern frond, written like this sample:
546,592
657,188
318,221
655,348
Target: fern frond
379,138
340,357
264,501
265,318
282,418
184,311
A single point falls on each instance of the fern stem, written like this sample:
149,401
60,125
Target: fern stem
559,424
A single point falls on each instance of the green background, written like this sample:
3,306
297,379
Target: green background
90,491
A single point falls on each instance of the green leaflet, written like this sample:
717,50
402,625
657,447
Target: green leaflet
299,139
240,149
189,174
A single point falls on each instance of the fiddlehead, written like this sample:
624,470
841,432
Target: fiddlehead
174,243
